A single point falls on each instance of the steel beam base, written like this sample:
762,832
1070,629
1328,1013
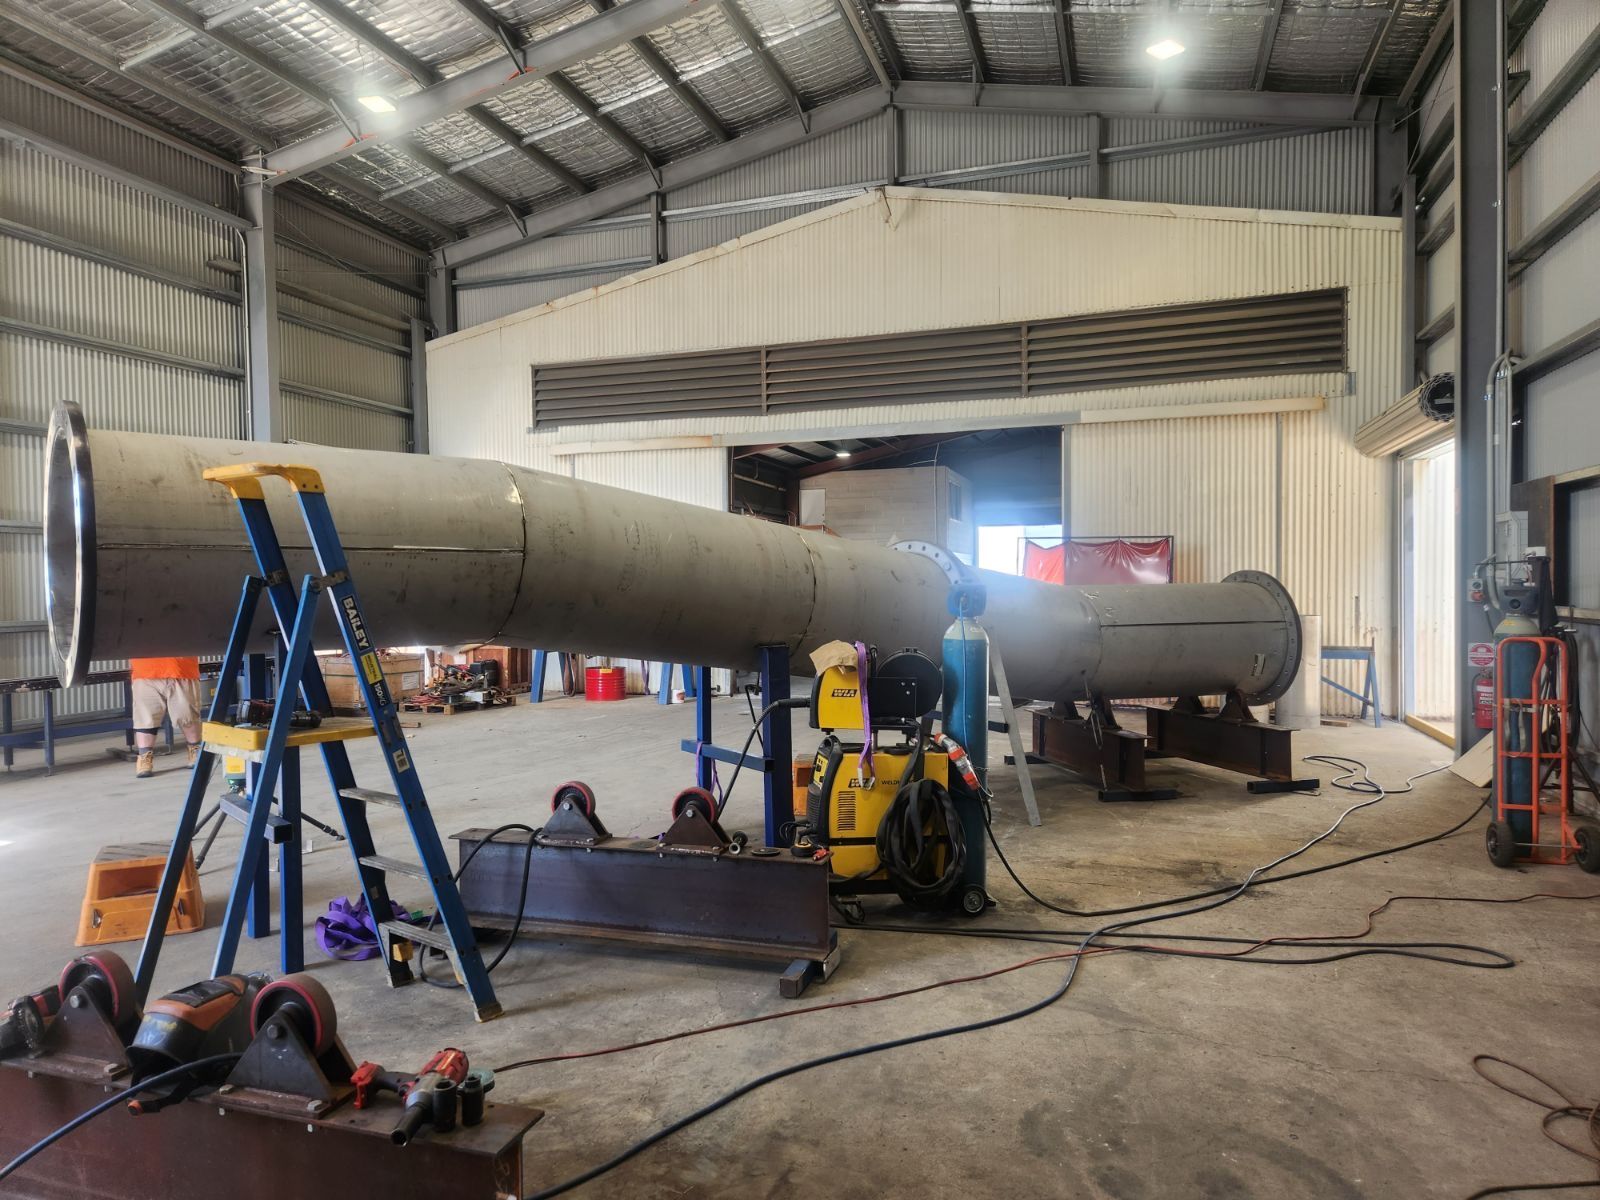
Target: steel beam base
1227,737
1097,748
768,907
303,1141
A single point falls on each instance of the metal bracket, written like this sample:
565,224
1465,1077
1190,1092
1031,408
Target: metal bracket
569,825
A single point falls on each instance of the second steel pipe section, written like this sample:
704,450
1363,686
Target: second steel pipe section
144,558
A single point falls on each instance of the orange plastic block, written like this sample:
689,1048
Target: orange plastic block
121,894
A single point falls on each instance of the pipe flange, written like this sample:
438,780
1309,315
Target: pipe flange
954,569
1291,621
69,540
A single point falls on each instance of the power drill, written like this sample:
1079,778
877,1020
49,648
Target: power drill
431,1096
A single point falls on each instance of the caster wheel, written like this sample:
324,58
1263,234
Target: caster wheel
973,901
579,793
741,839
104,974
698,799
1501,844
1588,839
306,1002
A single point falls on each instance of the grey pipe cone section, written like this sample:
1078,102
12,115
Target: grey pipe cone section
146,558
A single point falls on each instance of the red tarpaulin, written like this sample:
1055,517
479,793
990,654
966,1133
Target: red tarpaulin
1100,560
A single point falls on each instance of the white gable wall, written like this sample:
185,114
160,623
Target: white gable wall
1284,493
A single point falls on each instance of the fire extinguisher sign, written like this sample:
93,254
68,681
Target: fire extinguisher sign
1480,654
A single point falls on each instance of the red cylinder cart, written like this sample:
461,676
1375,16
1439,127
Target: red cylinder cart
1533,760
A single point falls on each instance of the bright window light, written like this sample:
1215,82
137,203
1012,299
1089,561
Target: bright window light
382,104
1164,49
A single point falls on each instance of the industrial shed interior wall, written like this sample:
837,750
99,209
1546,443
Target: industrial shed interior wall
1289,495
1329,171
156,344
1558,295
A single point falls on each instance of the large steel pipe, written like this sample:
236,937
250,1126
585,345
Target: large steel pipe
146,558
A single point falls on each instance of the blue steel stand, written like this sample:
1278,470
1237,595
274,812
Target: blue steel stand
664,692
776,740
275,765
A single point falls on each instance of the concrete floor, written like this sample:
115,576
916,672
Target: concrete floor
1154,1077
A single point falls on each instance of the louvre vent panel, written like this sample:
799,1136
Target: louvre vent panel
1264,335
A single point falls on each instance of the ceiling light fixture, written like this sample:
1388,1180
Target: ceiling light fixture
841,454
1164,49
377,104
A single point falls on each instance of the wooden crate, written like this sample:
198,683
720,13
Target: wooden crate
405,673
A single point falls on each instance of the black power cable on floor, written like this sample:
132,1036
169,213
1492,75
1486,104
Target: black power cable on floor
1208,903
1365,786
522,892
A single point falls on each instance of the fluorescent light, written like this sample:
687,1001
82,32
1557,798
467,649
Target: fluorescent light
382,104
1164,49
841,454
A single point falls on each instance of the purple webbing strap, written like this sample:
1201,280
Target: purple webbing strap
865,761
348,932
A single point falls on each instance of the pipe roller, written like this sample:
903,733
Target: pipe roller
145,558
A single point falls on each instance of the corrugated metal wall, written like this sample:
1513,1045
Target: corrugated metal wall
74,328
977,151
906,259
1560,292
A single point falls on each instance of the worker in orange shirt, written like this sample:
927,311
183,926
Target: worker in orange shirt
164,687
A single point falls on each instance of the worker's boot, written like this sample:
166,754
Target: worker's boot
146,764
194,753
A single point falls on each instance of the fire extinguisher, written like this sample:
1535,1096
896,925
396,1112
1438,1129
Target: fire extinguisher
1483,700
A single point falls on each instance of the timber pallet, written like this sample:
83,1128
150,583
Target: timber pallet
451,707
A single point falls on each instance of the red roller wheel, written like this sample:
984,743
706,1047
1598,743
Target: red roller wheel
579,793
696,798
106,972
307,1004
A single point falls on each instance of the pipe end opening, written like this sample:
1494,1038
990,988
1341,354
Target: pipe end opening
1291,619
69,541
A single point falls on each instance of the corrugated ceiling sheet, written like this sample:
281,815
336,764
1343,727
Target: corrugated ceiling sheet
112,88
339,238
1321,44
708,54
226,80
930,38
630,93
1108,39
812,45
1018,39
439,32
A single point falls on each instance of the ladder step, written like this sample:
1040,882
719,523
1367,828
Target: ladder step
437,937
395,866
370,796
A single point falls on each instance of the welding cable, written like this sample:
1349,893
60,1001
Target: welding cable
1417,950
110,1102
1004,1018
755,728
1362,787
1566,1108
516,926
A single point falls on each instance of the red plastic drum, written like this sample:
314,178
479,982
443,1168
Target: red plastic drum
605,683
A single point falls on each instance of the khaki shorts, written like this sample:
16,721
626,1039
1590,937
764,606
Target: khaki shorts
156,698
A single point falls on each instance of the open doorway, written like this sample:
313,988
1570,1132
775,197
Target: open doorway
1429,586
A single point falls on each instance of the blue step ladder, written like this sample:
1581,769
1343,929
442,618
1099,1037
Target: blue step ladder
273,754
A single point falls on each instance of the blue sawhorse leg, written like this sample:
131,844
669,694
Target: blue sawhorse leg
776,736
258,923
704,767
539,662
